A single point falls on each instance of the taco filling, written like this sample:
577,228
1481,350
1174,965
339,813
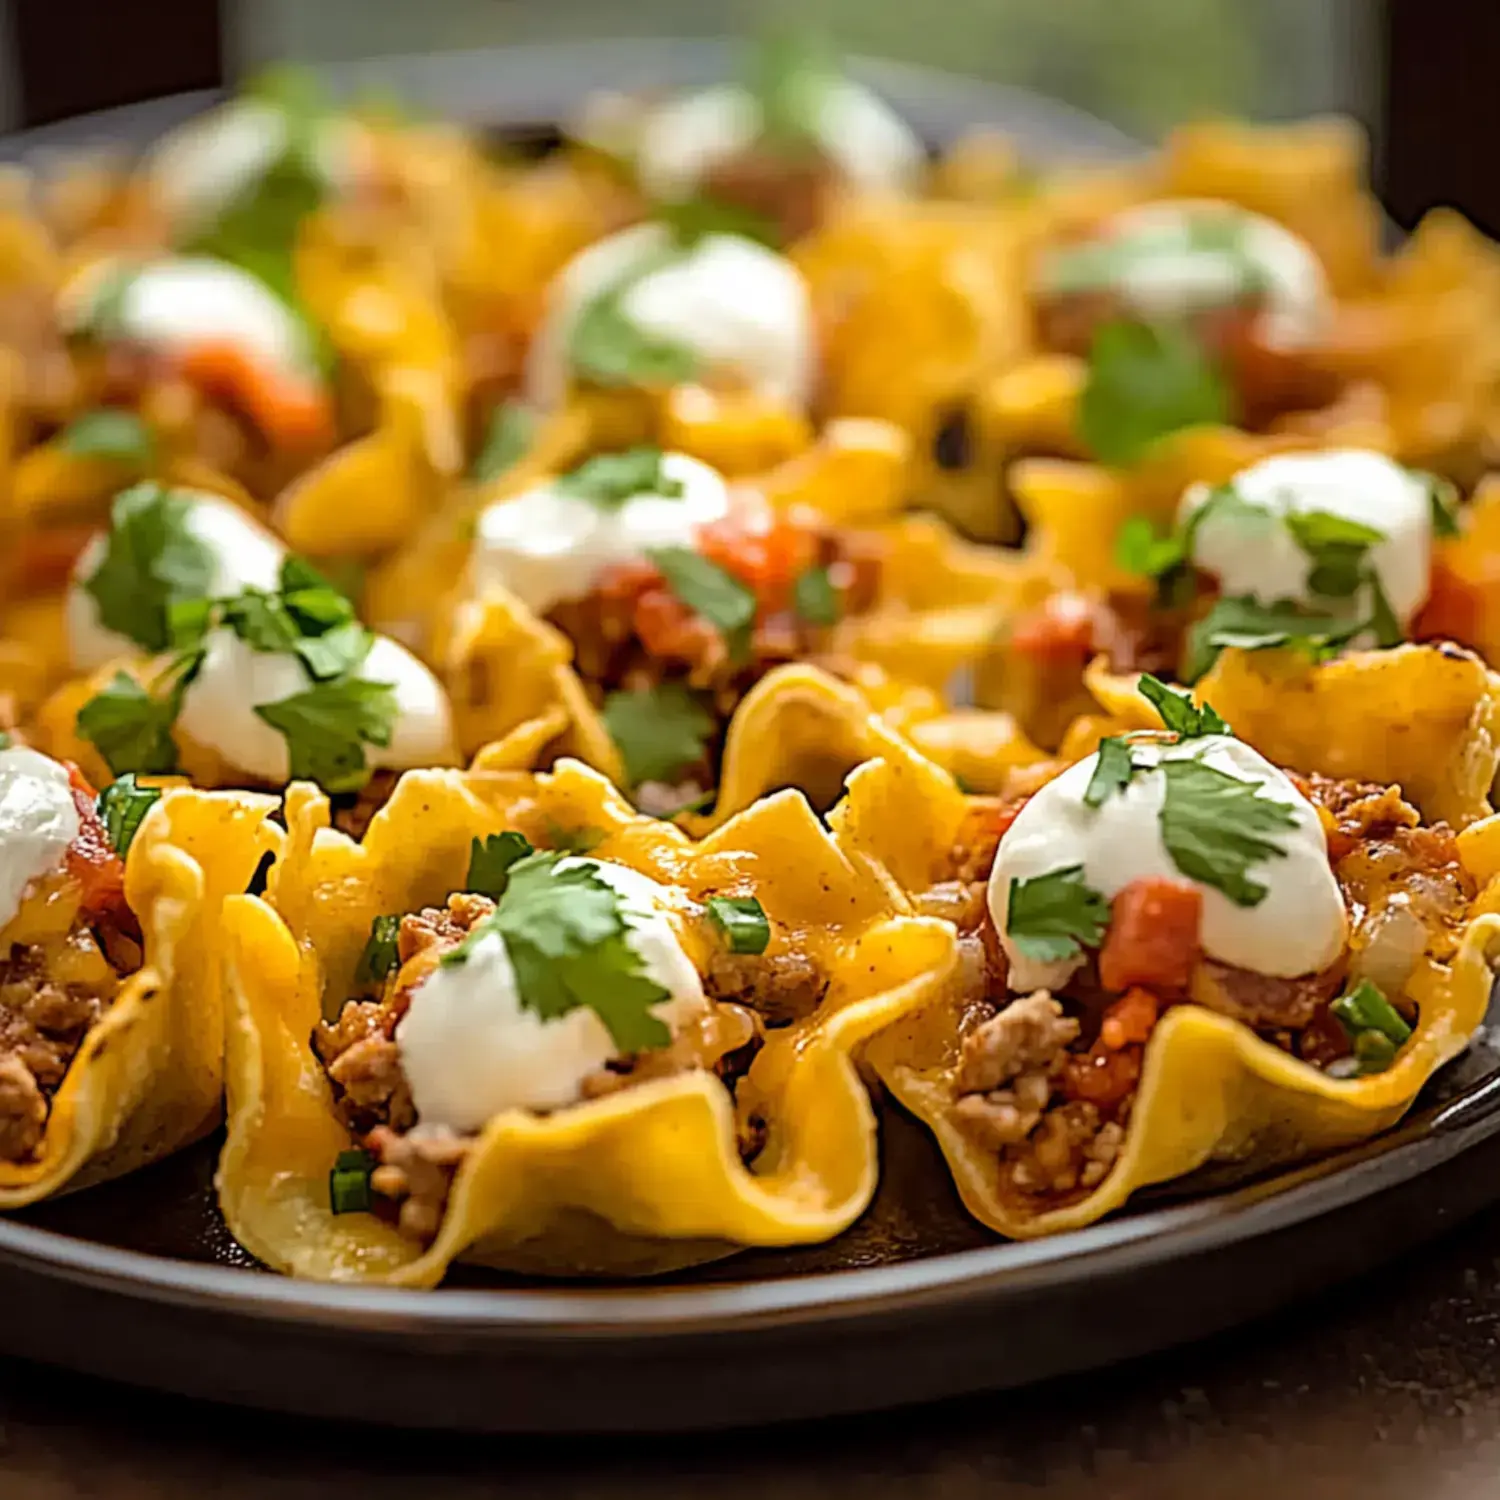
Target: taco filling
678,595
563,980
1179,868
67,937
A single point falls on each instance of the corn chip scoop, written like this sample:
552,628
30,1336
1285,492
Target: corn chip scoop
149,1076
634,1182
1210,1090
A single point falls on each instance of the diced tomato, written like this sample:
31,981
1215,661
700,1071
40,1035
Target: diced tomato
1102,1077
668,629
1454,610
92,861
767,562
1130,1020
292,413
1061,629
1153,935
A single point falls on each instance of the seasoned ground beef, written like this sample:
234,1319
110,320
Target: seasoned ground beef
49,998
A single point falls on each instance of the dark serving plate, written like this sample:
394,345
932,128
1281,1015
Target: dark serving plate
140,1281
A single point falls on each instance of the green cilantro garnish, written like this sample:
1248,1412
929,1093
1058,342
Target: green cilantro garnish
1169,558
1216,826
608,348
710,591
1112,771
507,440
613,478
1146,381
7,741
1337,550
349,1183
659,731
743,922
122,807
380,957
693,219
815,599
1442,496
131,728
565,933
105,313
328,725
789,76
490,860
109,433
1179,713
1052,916
1247,625
151,561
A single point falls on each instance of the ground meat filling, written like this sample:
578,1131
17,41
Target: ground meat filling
1047,1082
632,633
363,1060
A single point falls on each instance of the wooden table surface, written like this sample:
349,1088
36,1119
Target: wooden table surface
1391,1386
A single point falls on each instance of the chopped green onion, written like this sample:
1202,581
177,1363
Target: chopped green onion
743,922
349,1182
1374,1052
380,958
1364,1009
122,808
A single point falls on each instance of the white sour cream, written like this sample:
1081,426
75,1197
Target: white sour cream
218,709
245,555
545,546
1264,561
471,1051
180,302
38,821
869,145
1163,267
1299,925
741,308
201,168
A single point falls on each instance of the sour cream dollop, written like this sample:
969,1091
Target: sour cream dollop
201,168
1257,556
181,302
471,1051
741,309
38,821
866,141
545,546
1177,258
218,709
1299,925
244,555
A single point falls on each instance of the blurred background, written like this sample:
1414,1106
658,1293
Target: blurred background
1417,73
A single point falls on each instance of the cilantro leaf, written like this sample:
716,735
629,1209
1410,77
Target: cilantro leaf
1112,771
328,725
1178,711
692,219
380,957
7,741
1141,549
1051,917
815,599
1337,549
109,433
151,561
1248,625
659,731
1215,826
490,861
1146,381
122,808
606,347
507,440
710,591
1382,621
1442,496
130,728
613,478
789,76
743,922
565,934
